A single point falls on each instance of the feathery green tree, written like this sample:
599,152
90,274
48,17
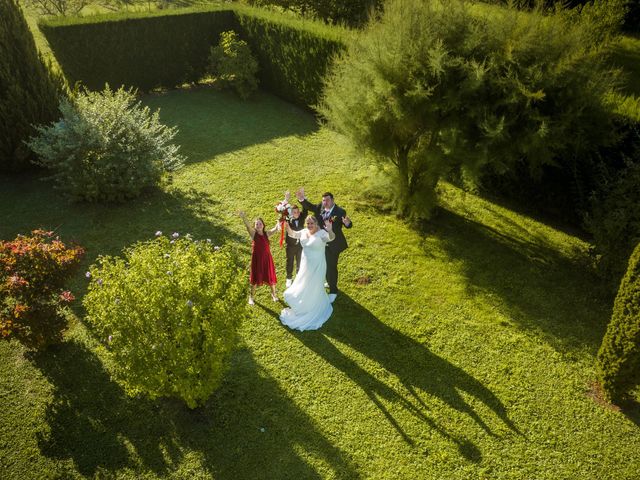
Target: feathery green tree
438,85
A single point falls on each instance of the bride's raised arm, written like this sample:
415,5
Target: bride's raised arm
291,232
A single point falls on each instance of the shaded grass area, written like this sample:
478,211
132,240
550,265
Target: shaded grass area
464,351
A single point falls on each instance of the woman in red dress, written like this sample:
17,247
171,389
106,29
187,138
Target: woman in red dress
263,271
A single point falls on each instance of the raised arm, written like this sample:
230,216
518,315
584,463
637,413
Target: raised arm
291,232
247,224
306,204
328,227
274,229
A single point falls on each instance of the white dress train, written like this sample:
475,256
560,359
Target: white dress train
309,303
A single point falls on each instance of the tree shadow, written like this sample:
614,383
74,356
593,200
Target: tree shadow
421,372
631,409
212,122
107,229
248,429
541,289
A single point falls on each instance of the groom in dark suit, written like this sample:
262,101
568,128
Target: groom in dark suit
328,211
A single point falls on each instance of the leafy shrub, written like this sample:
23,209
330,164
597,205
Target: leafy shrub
619,355
106,147
28,93
232,63
613,215
615,223
169,311
33,270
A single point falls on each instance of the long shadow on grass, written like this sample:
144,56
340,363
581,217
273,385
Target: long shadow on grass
249,429
631,408
540,289
211,122
421,372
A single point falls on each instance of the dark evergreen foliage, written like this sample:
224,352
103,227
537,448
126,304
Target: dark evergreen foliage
28,93
619,355
353,13
143,52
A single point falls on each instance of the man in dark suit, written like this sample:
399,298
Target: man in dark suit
328,211
294,249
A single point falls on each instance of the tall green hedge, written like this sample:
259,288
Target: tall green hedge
619,355
293,55
136,51
168,48
28,93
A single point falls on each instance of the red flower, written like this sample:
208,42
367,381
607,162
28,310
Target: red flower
67,296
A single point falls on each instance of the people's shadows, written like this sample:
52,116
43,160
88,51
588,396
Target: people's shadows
248,429
212,122
421,372
540,289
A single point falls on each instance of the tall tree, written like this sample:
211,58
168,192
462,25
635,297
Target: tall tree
439,84
28,92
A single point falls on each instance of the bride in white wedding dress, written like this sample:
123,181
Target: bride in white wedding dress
308,301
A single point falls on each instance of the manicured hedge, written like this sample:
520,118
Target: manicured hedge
619,355
293,55
136,51
165,49
28,92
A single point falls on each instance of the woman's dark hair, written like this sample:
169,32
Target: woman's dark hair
264,225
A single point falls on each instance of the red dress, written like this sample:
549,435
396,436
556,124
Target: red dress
263,272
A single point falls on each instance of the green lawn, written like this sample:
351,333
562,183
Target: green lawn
466,351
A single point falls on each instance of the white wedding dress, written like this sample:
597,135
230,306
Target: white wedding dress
310,305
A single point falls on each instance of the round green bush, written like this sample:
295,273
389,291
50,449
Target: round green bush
106,147
619,355
168,313
233,65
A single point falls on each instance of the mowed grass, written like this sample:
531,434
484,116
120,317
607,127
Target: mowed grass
464,351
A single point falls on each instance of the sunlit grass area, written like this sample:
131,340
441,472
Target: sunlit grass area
462,351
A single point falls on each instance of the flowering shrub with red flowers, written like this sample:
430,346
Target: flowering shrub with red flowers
33,270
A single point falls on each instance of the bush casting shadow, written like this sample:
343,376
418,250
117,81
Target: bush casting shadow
107,229
95,424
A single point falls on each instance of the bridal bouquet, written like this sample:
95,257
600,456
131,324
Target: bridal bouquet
284,209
